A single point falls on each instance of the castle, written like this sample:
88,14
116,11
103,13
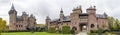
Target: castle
20,22
80,21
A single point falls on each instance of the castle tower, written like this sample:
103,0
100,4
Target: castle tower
12,20
32,22
92,20
61,15
25,20
75,19
48,21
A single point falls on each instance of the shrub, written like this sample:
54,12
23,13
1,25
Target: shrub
66,29
93,31
51,30
100,31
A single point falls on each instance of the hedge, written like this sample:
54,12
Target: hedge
66,29
51,30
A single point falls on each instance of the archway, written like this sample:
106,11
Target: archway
92,25
83,27
74,28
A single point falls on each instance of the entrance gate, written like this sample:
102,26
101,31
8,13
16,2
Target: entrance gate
83,27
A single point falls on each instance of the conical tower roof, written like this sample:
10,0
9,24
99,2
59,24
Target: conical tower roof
12,10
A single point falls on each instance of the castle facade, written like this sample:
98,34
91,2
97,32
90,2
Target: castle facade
80,21
20,22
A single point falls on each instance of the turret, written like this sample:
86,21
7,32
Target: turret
91,10
24,16
77,10
61,15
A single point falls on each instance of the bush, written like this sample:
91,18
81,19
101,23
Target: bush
100,31
51,30
93,31
66,29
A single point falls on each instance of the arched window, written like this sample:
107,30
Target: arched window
92,25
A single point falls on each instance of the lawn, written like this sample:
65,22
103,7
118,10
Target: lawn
29,33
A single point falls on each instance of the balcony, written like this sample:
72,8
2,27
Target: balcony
83,20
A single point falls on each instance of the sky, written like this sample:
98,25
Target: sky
42,8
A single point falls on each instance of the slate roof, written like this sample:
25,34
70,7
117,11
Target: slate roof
67,18
102,16
54,20
19,18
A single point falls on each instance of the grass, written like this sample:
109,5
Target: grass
29,33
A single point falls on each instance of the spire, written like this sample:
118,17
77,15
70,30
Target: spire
12,8
61,10
105,14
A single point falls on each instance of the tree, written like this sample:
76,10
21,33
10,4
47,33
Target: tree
2,25
111,22
116,25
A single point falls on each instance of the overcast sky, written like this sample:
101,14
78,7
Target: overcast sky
41,8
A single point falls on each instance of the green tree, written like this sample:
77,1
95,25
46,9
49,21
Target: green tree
116,25
111,22
2,25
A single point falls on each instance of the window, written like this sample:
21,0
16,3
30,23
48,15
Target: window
92,25
16,25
